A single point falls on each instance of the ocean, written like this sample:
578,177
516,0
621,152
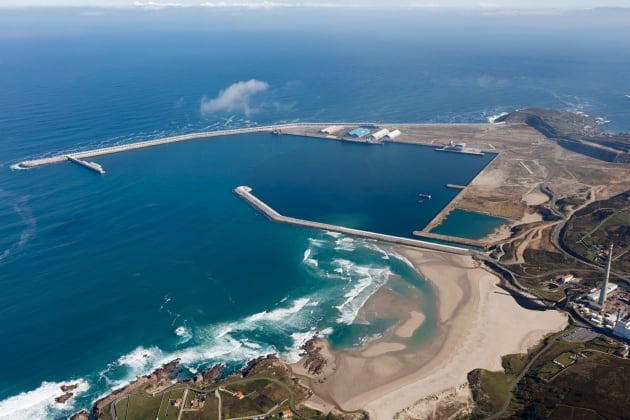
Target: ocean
106,278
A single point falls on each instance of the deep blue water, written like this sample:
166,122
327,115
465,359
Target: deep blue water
97,272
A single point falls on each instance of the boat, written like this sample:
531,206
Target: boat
427,196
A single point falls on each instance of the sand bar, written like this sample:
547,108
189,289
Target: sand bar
479,322
415,321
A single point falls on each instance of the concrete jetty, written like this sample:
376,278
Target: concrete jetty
452,239
246,193
93,166
174,139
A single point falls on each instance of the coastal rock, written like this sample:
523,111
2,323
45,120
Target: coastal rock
158,379
211,375
65,397
81,415
252,364
66,388
314,362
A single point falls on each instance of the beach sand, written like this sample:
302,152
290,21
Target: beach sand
478,323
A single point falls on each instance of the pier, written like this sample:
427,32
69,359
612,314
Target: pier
93,166
246,194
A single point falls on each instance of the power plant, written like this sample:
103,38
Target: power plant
604,291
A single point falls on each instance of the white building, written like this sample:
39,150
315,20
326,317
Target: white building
393,134
594,295
379,134
332,129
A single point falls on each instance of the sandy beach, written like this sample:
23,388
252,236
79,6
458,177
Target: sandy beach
478,323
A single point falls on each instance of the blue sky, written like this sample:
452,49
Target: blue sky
457,4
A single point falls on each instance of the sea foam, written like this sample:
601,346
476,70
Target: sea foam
493,118
40,403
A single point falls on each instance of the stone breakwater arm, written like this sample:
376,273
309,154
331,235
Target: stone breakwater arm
246,193
192,136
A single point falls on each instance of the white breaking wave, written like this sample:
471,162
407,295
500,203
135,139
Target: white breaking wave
183,332
493,118
344,244
309,261
318,243
40,403
280,314
292,354
371,280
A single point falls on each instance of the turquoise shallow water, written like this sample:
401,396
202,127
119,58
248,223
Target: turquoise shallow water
98,272
468,224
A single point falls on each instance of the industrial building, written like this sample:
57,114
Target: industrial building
359,132
332,129
376,136
622,329
593,296
393,134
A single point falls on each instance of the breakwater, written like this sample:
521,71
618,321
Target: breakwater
246,193
174,139
453,239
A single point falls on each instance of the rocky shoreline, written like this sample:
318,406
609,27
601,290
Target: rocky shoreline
165,377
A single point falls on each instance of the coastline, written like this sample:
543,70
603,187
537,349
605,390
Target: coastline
476,327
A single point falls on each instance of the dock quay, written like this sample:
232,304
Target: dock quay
245,193
452,239
455,186
93,166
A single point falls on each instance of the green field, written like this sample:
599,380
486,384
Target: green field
592,387
598,225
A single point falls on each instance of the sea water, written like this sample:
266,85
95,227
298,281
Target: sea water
107,277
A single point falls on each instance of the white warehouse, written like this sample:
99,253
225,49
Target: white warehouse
379,134
332,129
393,134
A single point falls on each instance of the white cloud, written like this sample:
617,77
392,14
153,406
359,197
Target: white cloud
236,97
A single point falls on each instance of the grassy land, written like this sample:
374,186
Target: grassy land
591,229
593,386
268,387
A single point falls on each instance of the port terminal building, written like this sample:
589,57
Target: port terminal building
359,132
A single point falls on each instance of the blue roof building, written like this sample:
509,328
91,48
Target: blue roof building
359,132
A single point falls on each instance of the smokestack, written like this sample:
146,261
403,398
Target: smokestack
602,294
